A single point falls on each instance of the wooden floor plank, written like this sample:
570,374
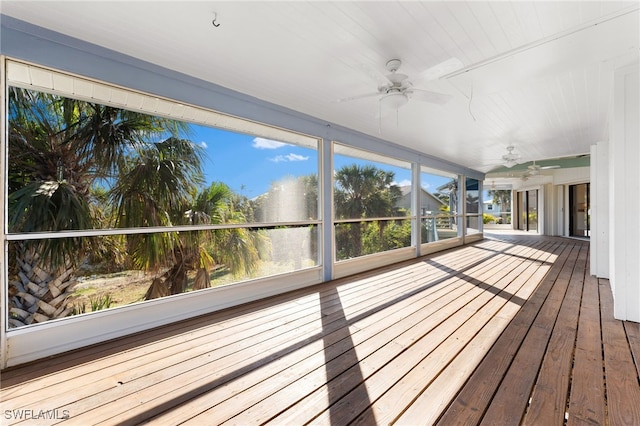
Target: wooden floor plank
469,406
425,357
587,398
622,386
510,401
485,326
548,401
633,335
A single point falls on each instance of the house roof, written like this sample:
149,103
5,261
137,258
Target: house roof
406,190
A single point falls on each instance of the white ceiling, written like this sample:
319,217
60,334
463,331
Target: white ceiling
537,75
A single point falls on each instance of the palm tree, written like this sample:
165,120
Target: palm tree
153,187
361,192
200,251
61,151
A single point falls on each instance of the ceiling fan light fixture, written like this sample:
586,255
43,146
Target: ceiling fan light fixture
394,100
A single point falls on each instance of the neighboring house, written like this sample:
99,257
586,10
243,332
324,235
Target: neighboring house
491,208
429,204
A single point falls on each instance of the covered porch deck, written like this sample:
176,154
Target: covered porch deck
509,330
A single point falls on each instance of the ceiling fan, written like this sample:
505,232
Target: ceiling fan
399,89
534,169
510,158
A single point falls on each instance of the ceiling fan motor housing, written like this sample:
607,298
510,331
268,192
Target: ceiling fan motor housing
393,65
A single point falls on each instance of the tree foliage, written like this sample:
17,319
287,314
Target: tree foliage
76,165
501,197
362,192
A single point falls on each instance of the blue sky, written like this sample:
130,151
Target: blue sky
249,164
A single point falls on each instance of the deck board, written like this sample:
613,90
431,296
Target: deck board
548,401
622,385
426,383
471,403
511,398
506,330
587,399
633,333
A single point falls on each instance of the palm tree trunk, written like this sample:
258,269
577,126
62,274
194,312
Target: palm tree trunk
36,295
202,279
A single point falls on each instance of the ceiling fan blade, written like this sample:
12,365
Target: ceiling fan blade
353,98
549,167
428,96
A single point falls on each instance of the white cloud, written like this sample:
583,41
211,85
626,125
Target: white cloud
288,157
405,182
262,143
203,144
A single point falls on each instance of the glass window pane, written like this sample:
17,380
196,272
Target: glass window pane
356,239
472,206
370,186
365,186
439,201
498,205
473,225
49,280
532,213
75,165
473,196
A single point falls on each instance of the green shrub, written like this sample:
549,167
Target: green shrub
487,218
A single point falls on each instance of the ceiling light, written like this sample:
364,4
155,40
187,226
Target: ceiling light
394,100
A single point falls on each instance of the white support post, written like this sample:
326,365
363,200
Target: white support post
326,203
624,194
416,209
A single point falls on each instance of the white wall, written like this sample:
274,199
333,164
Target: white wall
571,176
624,194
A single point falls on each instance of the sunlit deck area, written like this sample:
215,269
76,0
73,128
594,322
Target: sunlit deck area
510,330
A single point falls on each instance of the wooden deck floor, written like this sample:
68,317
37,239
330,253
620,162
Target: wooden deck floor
510,331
